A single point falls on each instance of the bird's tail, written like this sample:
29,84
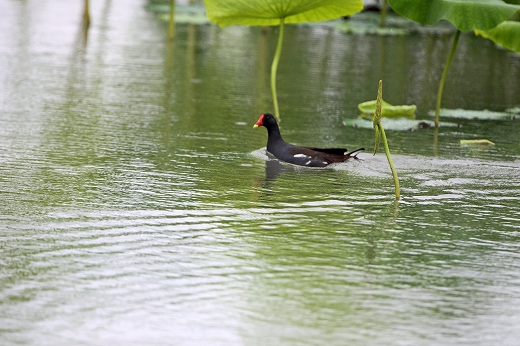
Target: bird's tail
354,153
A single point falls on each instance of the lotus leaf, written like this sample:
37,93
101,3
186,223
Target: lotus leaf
506,34
514,110
471,114
269,12
399,124
465,15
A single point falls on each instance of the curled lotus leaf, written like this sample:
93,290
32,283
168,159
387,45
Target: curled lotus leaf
388,110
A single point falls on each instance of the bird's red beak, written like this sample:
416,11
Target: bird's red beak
260,121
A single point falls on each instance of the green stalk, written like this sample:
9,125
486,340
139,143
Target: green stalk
380,132
384,10
443,78
86,14
274,68
390,162
171,24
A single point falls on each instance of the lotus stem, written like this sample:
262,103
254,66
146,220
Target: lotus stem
274,68
384,10
380,132
86,14
390,162
171,23
443,78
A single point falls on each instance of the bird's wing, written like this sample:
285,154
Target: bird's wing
331,151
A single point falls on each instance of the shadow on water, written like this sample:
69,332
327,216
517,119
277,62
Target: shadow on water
274,168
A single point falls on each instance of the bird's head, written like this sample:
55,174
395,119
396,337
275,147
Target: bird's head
266,120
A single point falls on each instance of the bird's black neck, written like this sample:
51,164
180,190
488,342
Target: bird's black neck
273,133
275,142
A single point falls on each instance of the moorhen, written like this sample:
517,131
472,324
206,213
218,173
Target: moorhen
297,155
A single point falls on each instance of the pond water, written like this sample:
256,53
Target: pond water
138,208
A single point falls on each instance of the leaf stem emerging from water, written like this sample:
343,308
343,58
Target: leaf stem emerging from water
274,68
380,132
390,162
171,23
86,14
443,78
384,10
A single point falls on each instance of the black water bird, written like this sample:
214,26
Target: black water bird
298,155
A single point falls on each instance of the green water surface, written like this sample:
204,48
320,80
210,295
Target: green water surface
137,206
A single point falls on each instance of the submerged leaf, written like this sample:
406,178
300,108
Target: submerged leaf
465,15
388,110
471,114
269,12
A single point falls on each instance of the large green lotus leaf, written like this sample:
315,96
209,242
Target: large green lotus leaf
506,34
269,12
388,110
466,15
472,114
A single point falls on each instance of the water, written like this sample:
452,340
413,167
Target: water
137,206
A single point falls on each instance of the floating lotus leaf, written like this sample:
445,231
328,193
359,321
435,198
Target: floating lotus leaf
399,124
187,18
471,114
369,23
351,28
158,7
186,14
506,34
465,15
514,110
388,110
269,12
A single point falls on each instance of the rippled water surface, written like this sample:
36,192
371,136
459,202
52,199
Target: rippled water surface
138,206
